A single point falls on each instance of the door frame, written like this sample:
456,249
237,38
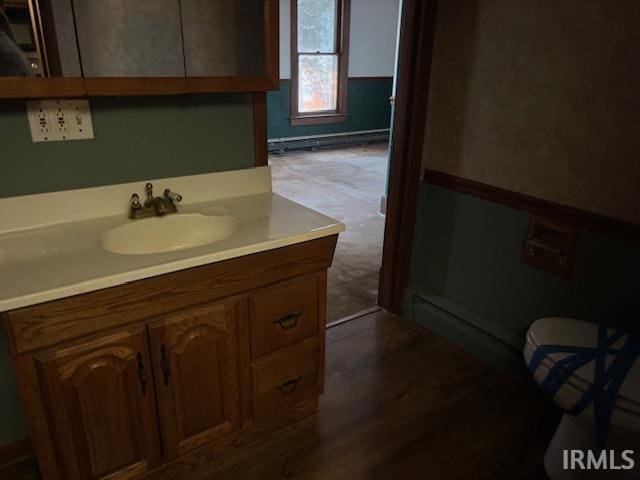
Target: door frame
417,31
415,51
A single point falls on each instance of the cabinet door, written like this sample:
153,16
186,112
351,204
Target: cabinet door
121,38
197,373
224,38
99,396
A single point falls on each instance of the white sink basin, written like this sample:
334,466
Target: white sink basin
168,233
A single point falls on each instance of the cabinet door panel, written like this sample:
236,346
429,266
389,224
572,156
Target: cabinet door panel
224,38
101,404
197,375
120,38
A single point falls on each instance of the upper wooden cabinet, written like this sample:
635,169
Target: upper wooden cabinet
123,47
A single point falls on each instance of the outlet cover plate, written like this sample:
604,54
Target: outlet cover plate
59,120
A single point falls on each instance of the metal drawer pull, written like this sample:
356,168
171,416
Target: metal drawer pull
289,386
288,321
142,373
164,365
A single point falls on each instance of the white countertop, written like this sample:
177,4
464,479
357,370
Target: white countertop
50,244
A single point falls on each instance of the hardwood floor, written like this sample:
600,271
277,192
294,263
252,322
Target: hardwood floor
402,403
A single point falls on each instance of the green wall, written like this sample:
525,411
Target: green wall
136,138
367,105
467,251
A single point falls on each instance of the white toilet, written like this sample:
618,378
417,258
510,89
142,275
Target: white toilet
577,432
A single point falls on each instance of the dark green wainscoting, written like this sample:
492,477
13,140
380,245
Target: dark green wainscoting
367,105
469,284
136,138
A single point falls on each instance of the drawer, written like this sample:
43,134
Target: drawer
285,379
283,314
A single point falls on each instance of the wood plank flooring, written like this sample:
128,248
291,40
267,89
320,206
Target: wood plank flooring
403,403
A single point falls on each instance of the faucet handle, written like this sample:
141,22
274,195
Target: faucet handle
172,196
134,202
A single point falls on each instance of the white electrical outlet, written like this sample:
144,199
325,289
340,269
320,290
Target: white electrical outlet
55,120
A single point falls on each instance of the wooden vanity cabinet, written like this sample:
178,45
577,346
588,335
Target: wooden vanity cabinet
169,374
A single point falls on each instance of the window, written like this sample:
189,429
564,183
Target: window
319,57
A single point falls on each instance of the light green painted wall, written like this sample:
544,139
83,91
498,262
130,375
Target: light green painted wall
467,250
137,138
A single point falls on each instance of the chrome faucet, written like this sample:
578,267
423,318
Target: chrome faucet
153,206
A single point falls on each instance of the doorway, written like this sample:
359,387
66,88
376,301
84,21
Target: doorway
345,183
414,35
328,131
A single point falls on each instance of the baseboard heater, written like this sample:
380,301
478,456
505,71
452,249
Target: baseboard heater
483,339
363,137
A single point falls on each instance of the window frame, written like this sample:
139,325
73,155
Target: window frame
340,114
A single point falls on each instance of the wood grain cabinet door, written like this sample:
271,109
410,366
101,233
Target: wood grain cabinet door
100,400
197,374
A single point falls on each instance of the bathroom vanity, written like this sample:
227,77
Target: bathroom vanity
155,364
